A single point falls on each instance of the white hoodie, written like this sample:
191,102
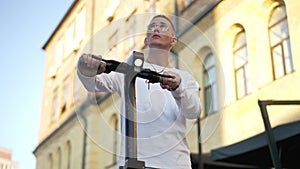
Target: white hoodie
161,116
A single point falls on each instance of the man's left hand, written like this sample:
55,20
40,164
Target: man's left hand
171,84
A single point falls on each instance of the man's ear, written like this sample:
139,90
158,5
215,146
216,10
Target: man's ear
146,41
173,41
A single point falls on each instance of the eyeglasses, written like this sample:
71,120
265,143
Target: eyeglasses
162,27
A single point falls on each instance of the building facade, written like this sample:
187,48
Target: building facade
6,159
239,52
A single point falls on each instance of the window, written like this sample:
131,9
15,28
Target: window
80,25
210,86
113,40
241,67
282,62
50,159
152,6
188,2
66,93
76,89
59,158
115,124
114,51
68,155
111,10
69,40
55,110
132,33
59,51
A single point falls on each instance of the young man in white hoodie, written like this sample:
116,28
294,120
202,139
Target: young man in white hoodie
162,108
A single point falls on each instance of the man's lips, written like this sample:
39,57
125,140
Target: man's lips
155,36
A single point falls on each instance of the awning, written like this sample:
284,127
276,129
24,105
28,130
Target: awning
255,151
208,163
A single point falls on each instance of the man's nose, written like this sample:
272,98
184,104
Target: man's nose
156,29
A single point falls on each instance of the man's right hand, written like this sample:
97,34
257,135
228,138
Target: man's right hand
90,65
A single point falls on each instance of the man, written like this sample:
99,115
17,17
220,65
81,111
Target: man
162,109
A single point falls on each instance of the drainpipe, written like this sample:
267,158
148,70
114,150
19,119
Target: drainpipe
85,123
84,120
176,29
83,106
200,160
80,114
197,18
176,15
92,25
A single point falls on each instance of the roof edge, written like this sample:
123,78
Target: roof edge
60,23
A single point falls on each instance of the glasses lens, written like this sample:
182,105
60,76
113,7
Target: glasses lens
151,27
161,27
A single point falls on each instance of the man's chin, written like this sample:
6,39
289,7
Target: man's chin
157,46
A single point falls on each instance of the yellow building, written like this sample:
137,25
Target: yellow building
239,52
250,54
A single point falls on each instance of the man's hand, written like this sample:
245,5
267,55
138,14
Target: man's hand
170,83
90,65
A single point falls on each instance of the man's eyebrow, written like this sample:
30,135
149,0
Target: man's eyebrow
159,23
162,23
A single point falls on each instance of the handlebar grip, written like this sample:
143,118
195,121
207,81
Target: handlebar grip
112,65
152,76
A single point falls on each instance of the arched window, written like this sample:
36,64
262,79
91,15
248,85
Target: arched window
68,155
115,124
50,160
241,67
282,62
210,86
58,158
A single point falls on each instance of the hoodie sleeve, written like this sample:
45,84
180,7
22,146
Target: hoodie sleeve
102,83
187,96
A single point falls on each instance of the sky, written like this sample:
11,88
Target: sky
25,28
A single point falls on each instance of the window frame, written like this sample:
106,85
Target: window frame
212,85
55,100
244,67
281,44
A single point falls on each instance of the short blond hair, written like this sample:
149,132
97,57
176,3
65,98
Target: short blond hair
167,18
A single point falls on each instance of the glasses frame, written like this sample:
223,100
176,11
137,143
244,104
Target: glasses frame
161,26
